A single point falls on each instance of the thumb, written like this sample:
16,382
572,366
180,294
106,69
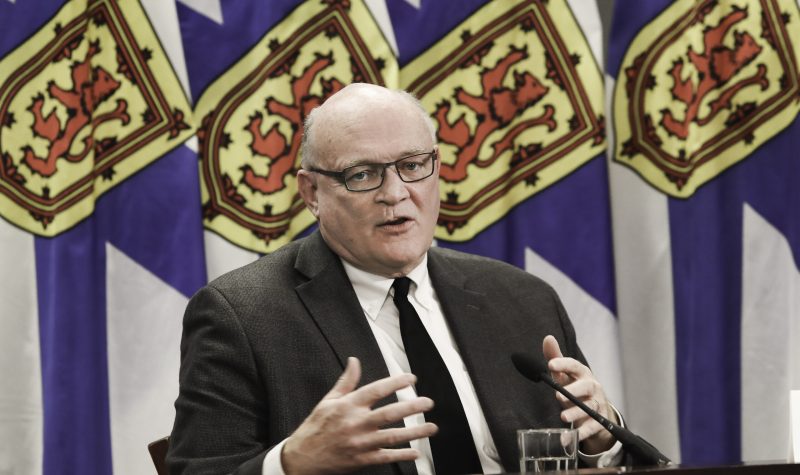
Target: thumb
550,348
347,381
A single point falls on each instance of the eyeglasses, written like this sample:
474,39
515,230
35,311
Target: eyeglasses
369,176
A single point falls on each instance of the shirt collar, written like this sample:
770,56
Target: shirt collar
372,289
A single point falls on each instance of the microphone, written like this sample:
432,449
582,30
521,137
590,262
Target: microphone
641,451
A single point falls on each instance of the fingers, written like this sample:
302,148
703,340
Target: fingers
587,428
579,419
397,411
344,433
570,366
347,381
370,393
384,456
593,436
373,392
579,380
550,348
395,436
575,414
586,425
552,352
588,390
557,363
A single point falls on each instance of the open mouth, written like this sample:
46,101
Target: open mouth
395,222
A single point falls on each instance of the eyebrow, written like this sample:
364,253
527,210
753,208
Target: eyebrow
407,153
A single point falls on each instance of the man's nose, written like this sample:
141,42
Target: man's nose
393,188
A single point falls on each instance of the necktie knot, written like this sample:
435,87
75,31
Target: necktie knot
401,286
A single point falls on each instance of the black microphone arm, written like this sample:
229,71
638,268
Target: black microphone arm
642,452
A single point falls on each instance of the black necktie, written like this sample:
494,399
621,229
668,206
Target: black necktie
453,448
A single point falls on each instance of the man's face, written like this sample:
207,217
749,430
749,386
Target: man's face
386,231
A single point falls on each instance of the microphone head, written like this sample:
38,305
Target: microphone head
532,367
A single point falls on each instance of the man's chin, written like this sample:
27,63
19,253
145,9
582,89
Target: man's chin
401,265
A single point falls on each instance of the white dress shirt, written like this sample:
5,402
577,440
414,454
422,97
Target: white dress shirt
375,296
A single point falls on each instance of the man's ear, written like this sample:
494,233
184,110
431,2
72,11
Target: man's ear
307,186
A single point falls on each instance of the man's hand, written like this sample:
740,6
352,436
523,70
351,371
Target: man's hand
579,380
344,433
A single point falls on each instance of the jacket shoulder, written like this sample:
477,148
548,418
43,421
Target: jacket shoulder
472,266
263,272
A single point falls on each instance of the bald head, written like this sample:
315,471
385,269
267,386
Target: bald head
347,110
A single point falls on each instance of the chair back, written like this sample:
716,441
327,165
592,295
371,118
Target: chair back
158,452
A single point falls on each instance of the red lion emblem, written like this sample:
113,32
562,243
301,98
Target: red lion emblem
91,87
496,107
716,66
273,144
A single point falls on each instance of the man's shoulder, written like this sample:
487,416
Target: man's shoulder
476,266
274,267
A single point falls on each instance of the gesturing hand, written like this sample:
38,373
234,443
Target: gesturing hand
578,379
344,433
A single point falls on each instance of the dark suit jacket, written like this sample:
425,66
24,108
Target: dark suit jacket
263,344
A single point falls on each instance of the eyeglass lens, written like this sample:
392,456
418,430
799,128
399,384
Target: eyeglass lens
370,175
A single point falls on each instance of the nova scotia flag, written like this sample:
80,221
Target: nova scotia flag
92,299
705,97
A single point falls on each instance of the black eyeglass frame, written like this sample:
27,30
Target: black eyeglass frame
340,175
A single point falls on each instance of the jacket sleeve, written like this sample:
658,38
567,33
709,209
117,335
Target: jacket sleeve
220,411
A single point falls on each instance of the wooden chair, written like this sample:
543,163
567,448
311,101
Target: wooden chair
158,452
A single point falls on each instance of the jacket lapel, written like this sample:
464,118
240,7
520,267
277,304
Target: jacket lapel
332,303
481,343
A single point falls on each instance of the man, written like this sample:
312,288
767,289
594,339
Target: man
273,354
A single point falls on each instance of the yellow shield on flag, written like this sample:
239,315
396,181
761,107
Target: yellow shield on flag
252,117
85,103
702,86
517,100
